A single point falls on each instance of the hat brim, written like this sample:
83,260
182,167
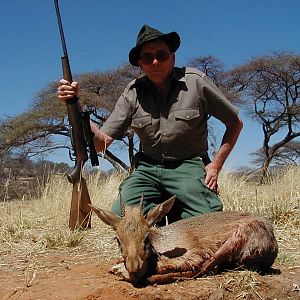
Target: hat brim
172,39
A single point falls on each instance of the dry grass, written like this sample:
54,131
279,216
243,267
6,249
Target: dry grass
30,229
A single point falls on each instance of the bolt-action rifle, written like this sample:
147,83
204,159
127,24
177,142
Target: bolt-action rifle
82,143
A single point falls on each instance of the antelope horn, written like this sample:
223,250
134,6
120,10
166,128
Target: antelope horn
122,204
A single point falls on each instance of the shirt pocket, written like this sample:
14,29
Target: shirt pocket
186,119
142,125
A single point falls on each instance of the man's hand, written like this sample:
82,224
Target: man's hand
211,178
67,90
233,129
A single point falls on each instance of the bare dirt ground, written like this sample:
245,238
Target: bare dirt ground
65,275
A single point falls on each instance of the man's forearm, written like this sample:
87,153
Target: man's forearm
229,140
101,140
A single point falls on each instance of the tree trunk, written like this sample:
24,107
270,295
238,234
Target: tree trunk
265,176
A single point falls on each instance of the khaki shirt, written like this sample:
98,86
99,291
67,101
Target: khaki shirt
174,128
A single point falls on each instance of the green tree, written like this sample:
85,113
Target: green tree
270,86
289,154
33,131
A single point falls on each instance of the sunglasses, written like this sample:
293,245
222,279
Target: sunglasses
160,56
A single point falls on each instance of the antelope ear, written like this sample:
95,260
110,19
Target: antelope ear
158,212
107,217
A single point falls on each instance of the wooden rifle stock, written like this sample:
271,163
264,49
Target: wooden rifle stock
80,211
80,204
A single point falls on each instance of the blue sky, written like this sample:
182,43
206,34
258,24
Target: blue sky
100,33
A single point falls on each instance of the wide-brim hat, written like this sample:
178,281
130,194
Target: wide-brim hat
148,34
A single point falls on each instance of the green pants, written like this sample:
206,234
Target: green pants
158,183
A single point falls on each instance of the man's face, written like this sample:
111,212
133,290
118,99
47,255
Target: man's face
157,61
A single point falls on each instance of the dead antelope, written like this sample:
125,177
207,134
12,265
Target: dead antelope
190,247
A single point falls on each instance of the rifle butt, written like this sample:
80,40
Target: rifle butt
80,211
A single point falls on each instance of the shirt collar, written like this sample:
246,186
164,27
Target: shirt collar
178,74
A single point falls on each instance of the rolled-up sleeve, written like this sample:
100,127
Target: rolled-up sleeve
216,103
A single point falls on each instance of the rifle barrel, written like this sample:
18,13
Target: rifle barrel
61,30
80,203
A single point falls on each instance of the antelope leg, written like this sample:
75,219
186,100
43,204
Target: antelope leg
227,252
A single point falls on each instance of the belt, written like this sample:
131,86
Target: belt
166,163
138,157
